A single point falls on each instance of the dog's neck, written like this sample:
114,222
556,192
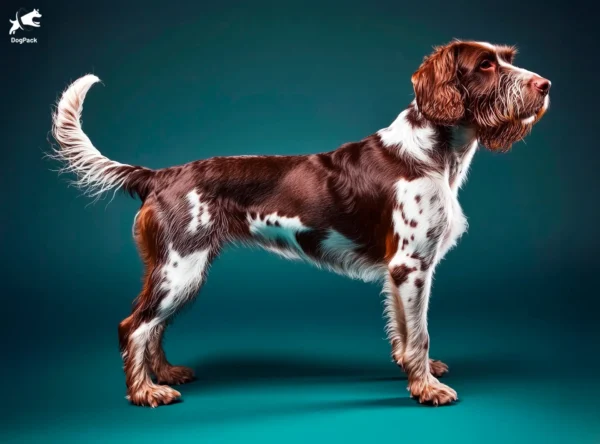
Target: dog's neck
441,150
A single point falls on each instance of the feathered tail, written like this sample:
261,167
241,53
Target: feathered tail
95,173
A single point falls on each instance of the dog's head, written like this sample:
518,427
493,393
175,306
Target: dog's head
35,14
476,84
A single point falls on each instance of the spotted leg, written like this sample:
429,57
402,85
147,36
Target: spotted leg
413,282
421,224
396,330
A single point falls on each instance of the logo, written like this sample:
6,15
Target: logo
24,21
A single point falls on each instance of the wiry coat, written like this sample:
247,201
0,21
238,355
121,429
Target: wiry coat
384,208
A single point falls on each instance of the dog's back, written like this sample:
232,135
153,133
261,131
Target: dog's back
314,207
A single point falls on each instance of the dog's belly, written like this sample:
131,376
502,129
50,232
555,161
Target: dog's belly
322,247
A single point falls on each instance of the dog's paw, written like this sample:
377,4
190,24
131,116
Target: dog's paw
152,395
431,391
437,368
175,375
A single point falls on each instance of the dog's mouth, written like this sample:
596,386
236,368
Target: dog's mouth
537,114
502,136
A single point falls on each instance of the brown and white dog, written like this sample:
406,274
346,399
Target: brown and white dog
382,209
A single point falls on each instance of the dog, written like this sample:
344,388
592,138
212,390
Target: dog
382,209
27,20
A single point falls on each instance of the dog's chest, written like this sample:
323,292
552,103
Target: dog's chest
457,225
427,208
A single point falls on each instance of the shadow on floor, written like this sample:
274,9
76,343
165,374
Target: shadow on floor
220,373
484,368
253,370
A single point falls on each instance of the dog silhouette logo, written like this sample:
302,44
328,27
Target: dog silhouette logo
24,22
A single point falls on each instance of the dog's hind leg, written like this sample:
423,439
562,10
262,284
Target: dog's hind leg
165,372
173,277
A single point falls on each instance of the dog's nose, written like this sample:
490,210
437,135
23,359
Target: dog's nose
541,84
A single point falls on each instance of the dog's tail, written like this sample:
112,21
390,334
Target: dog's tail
95,173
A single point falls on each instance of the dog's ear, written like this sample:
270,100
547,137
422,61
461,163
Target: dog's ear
436,86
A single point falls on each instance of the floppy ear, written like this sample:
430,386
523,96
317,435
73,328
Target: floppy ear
436,87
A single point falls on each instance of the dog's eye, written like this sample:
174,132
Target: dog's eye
486,65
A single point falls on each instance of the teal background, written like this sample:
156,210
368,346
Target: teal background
285,353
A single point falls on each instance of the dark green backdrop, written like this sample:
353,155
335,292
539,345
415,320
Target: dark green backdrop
286,353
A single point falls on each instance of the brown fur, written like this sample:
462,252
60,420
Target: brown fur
351,192
437,88
450,89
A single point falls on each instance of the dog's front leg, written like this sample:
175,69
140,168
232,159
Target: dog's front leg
411,279
395,321
396,329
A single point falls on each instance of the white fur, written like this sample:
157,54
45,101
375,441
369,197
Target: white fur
532,119
96,173
139,339
393,313
424,214
522,72
272,227
134,223
487,45
457,226
200,215
338,252
525,76
265,234
340,255
181,276
414,142
423,204
285,253
464,165
507,65
464,146
443,211
528,120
